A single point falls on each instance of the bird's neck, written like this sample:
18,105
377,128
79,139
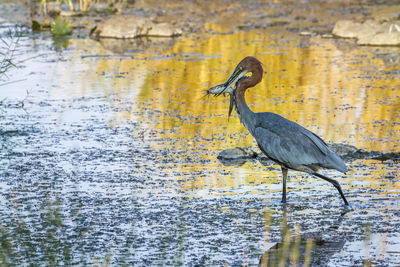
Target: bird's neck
247,117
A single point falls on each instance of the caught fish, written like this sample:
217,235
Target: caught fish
221,89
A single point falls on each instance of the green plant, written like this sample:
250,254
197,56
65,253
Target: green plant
60,26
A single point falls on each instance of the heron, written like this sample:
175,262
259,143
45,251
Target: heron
285,142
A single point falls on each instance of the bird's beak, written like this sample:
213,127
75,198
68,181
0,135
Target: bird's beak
238,73
228,87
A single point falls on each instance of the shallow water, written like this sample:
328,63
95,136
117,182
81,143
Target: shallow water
111,159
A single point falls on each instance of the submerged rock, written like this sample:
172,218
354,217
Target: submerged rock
370,32
129,26
348,152
343,149
237,153
238,156
387,156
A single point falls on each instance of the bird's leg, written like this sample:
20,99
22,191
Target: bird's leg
284,176
335,184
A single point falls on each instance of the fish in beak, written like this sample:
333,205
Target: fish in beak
228,88
222,89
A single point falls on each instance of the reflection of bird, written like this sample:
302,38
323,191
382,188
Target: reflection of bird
283,141
311,248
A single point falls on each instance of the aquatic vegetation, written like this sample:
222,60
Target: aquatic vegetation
36,26
61,26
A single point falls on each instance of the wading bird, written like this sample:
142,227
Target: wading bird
283,141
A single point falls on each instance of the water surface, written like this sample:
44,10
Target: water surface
112,156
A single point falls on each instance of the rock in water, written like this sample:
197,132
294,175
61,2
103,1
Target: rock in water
164,29
343,149
236,156
370,32
347,29
237,153
129,26
383,38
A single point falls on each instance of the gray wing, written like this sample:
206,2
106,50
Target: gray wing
292,145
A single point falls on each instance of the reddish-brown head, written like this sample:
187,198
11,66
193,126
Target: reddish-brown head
251,64
248,64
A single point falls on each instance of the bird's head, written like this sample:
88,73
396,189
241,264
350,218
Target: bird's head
247,65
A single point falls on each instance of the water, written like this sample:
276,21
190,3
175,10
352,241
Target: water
111,158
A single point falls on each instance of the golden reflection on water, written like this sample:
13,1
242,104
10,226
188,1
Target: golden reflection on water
327,89
341,92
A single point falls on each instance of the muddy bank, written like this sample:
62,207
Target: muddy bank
194,16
